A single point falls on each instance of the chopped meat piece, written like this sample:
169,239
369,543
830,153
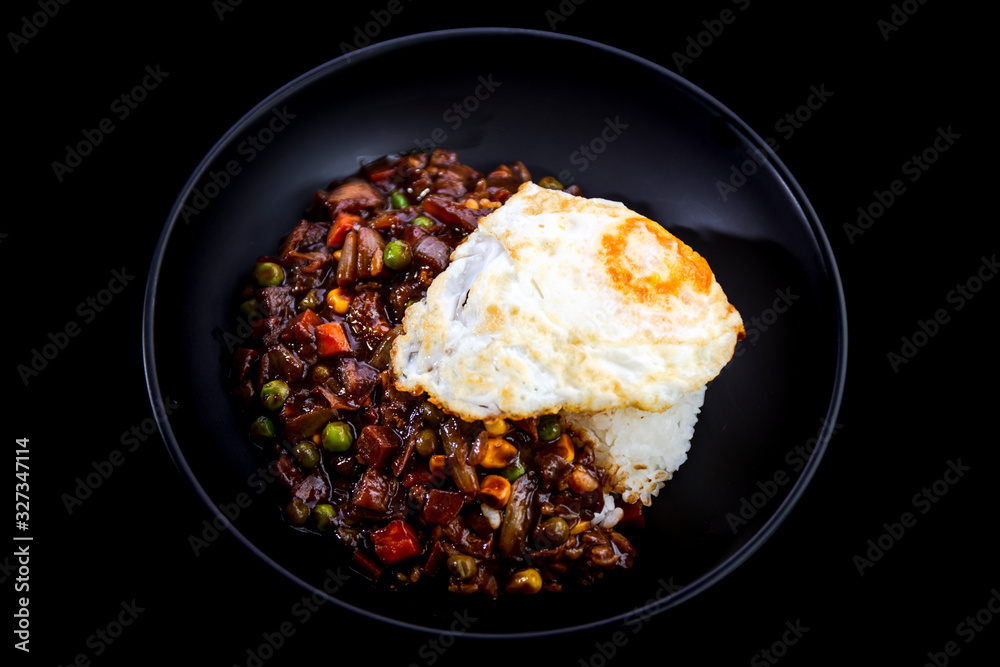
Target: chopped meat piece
432,252
304,235
376,446
276,302
281,363
357,378
302,327
374,491
312,490
353,196
287,472
442,506
368,317
452,212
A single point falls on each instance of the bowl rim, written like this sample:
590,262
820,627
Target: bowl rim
695,587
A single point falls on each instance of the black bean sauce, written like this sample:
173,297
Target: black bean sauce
414,493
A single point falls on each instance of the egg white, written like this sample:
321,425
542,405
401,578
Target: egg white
562,303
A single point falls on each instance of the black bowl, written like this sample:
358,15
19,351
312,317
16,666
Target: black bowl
623,129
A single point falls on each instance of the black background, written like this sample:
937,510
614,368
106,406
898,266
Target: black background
890,92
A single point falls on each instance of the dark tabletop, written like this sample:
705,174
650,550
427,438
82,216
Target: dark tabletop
889,556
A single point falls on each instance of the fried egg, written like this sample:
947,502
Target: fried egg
563,303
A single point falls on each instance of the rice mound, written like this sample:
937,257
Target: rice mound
640,450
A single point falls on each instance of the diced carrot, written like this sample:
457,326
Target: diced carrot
344,223
331,339
311,318
396,542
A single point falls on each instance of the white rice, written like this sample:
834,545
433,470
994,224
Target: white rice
609,514
639,450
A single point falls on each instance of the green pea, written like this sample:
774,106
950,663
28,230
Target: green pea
398,200
348,536
312,300
397,255
431,413
555,531
262,427
337,437
513,471
297,511
427,442
422,221
273,394
320,373
268,274
549,429
462,566
307,454
248,308
324,514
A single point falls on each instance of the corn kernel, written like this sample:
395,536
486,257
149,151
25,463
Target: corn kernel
579,528
494,490
499,453
496,426
564,448
338,300
437,462
472,203
525,582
